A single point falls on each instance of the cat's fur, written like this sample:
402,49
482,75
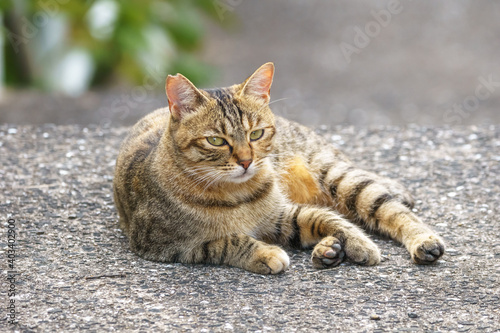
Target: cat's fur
182,199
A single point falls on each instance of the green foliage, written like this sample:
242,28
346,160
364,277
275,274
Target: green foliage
163,34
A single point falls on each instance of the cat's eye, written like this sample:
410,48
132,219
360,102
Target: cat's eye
256,135
216,141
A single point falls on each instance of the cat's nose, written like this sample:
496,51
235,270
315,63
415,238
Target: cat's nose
245,163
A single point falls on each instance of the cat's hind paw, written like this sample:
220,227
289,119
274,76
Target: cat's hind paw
327,253
427,249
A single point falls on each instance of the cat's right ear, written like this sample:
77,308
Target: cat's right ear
183,96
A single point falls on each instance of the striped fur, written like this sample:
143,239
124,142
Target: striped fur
180,199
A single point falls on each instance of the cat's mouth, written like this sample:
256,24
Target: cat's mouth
242,175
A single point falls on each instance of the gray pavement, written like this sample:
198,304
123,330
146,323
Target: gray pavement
76,272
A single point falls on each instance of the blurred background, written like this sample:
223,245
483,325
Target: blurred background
337,62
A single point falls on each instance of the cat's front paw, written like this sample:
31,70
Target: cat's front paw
327,253
427,249
269,260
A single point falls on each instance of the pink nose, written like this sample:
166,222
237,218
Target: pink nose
245,163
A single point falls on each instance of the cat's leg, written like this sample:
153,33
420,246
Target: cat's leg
242,251
334,238
235,250
383,205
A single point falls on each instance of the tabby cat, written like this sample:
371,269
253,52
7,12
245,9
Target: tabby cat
216,178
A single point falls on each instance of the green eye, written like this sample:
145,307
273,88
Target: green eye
216,141
256,135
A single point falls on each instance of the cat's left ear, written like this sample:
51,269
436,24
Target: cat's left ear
183,96
259,84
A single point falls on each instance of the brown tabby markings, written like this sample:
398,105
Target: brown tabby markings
183,199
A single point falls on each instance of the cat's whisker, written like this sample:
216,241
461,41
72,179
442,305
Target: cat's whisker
217,178
197,176
196,171
204,174
278,100
205,178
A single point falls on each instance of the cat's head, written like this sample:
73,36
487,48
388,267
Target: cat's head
222,135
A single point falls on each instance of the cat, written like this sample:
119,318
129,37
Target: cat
216,178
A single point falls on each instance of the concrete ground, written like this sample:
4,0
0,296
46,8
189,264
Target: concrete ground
76,272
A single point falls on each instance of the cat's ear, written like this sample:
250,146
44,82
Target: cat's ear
183,96
259,84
